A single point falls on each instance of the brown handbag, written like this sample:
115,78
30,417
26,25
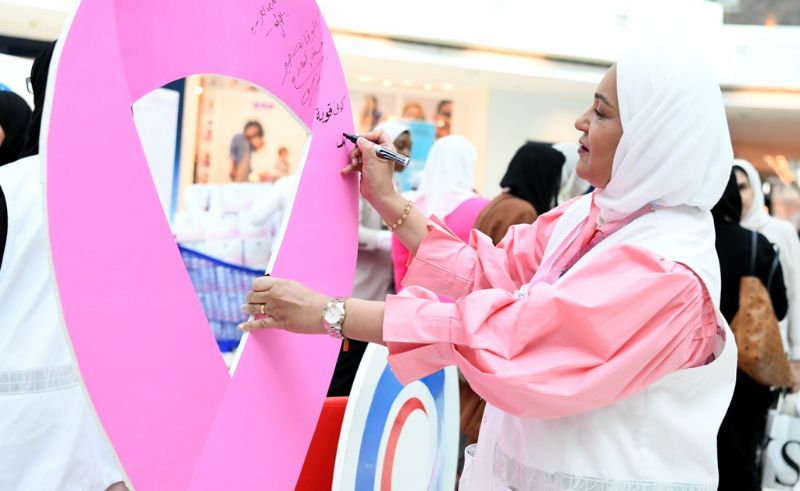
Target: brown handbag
757,333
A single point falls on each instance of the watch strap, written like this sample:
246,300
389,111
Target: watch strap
335,329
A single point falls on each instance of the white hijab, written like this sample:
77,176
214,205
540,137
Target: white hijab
571,184
393,128
675,153
447,177
675,147
757,216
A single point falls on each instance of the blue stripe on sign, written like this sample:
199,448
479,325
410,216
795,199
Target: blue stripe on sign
386,391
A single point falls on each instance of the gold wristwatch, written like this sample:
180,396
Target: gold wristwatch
333,316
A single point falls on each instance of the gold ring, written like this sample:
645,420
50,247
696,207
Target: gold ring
263,309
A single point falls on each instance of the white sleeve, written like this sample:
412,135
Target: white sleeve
369,238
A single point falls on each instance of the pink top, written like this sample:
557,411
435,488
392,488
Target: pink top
460,221
628,319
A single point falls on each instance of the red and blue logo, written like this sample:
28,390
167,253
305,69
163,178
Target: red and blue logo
399,437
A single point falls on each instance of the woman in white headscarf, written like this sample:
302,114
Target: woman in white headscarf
783,235
445,191
594,334
374,265
373,277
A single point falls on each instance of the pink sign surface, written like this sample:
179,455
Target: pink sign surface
174,415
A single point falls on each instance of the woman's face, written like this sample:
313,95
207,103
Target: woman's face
602,130
745,189
403,146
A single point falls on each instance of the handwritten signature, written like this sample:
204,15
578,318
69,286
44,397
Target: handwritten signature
268,16
333,110
309,90
302,64
297,59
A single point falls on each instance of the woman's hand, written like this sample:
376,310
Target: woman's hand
377,186
377,174
286,305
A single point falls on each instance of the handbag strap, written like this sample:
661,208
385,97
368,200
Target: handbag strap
753,251
775,263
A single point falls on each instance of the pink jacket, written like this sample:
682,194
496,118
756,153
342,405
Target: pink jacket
589,341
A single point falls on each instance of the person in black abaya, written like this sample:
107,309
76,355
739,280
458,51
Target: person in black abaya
742,430
530,189
15,118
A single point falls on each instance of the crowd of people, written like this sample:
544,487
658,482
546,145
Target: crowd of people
587,306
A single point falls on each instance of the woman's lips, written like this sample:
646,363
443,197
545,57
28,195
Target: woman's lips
582,150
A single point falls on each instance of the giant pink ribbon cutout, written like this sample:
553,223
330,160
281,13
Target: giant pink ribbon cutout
174,415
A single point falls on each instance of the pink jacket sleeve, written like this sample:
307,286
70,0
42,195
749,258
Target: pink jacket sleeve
558,350
452,268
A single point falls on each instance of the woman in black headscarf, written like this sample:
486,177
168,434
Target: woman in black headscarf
27,140
15,117
39,70
742,429
530,188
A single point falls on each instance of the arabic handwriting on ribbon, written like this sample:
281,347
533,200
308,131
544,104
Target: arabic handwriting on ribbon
302,64
270,19
323,116
309,90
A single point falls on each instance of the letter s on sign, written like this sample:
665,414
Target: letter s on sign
790,462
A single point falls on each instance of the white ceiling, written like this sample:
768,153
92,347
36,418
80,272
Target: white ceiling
768,119
756,117
775,128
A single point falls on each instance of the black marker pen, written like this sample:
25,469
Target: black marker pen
384,153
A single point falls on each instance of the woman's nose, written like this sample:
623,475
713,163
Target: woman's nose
582,123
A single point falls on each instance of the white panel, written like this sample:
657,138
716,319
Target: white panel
156,118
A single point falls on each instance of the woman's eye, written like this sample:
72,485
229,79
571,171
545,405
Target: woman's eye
598,113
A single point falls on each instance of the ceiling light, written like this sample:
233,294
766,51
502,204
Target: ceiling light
770,21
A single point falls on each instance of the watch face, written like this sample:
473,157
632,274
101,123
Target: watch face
334,314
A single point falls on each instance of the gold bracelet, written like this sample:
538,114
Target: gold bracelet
402,219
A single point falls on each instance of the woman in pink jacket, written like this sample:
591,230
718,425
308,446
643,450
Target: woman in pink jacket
594,334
